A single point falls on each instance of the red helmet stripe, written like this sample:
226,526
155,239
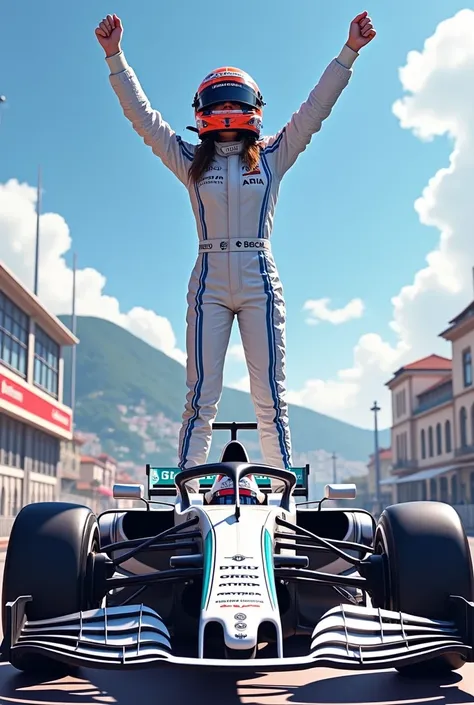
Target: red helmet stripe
224,493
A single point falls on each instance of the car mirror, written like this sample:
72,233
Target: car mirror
129,492
340,491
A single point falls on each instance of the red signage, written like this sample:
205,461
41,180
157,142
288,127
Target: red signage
28,401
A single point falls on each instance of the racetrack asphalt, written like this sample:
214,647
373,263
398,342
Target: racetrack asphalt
172,687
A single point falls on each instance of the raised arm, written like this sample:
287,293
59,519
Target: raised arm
147,122
293,139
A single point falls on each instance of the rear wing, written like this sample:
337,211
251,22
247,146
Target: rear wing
161,481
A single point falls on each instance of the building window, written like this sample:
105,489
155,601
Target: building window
46,372
423,444
439,440
430,441
454,490
12,442
44,453
443,487
397,449
401,447
423,491
447,436
433,490
467,367
472,424
404,446
14,332
463,426
401,403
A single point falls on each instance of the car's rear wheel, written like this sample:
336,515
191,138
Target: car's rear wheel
427,559
47,558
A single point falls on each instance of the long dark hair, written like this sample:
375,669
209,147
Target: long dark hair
205,152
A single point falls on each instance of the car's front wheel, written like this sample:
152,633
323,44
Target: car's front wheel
47,558
427,559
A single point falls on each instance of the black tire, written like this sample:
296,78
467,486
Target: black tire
47,559
427,559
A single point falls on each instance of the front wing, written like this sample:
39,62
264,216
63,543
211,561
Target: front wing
134,636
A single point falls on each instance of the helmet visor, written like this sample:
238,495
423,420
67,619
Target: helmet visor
229,499
228,91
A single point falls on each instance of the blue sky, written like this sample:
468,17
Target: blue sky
348,202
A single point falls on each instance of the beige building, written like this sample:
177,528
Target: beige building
70,463
110,471
87,479
433,422
385,460
97,478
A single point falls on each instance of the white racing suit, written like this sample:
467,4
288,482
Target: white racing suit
235,273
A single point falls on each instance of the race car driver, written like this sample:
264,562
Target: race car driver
222,491
233,179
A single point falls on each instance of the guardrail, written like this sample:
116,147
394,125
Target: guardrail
464,450
466,512
6,524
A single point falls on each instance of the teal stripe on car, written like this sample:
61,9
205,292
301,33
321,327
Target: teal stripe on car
269,572
208,568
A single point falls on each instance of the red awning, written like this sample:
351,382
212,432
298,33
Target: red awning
105,491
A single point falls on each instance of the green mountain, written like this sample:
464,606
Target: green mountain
131,396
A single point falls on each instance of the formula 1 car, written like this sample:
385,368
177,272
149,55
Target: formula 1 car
271,586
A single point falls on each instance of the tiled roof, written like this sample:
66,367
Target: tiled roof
432,362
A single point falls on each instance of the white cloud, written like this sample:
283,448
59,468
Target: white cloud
242,384
17,250
236,352
320,311
438,101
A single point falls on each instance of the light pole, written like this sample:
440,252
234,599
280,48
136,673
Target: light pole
37,245
375,410
3,99
334,471
73,351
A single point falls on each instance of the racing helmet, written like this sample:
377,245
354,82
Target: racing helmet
224,84
222,491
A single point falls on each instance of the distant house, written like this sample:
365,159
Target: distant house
385,460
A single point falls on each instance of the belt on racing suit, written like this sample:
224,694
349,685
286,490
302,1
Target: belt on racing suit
235,244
